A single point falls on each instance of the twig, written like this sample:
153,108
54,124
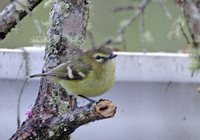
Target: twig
195,44
124,46
120,32
125,8
18,103
142,30
166,10
136,14
25,57
184,34
109,41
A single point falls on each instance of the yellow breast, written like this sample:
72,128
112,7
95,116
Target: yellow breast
95,84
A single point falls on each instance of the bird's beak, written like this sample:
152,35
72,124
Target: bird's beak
112,56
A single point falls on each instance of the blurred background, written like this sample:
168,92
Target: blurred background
160,102
160,30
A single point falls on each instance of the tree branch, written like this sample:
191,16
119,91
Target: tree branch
191,11
13,13
59,127
55,114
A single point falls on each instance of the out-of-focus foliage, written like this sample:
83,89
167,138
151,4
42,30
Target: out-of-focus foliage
104,23
195,65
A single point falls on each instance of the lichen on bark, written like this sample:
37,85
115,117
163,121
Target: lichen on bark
55,114
13,13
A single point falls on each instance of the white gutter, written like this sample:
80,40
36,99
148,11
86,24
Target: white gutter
141,67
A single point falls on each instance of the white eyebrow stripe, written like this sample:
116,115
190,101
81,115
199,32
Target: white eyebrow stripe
69,71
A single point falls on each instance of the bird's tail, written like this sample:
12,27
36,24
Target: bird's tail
38,75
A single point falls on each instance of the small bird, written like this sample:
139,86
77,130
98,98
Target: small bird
89,75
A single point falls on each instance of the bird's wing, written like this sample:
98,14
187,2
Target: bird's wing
70,71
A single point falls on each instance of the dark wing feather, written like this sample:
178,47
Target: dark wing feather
75,70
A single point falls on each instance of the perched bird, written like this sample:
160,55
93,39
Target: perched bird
90,74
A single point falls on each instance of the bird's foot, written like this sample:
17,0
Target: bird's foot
91,101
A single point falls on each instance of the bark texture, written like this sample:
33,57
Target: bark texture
13,13
191,11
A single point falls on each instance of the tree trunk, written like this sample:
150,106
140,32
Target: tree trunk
55,114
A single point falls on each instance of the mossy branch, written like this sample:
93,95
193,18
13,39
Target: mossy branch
13,13
56,114
60,127
191,12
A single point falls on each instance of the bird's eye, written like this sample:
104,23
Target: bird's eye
98,57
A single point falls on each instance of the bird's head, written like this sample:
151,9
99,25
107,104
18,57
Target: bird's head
99,55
